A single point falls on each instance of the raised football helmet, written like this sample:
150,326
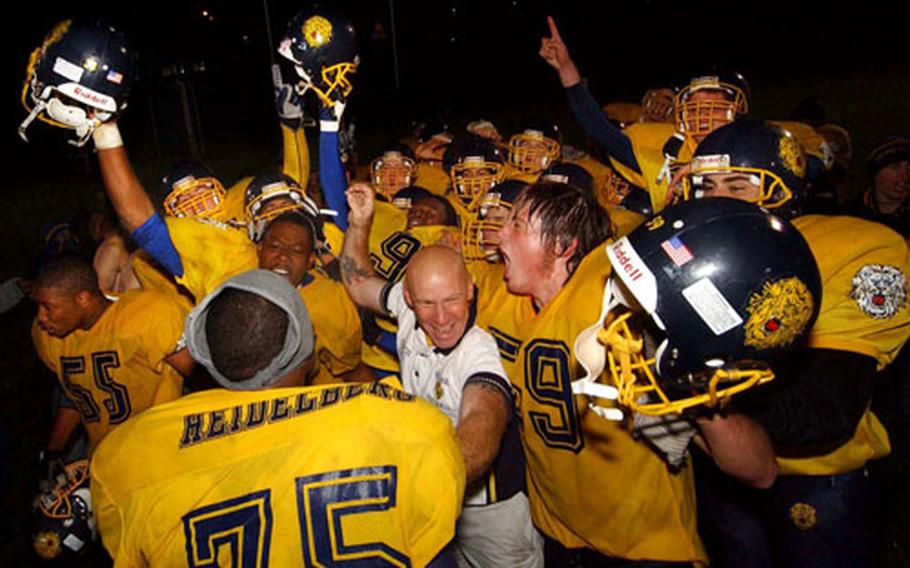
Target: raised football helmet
768,157
394,169
323,47
63,522
710,101
78,78
536,147
480,234
273,194
725,287
474,165
192,190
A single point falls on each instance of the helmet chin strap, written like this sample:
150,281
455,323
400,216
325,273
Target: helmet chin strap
591,354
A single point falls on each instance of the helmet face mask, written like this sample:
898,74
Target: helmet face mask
709,102
78,78
480,236
392,172
532,151
323,48
472,178
195,197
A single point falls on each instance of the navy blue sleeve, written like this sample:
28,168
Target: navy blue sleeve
331,172
155,239
388,341
594,122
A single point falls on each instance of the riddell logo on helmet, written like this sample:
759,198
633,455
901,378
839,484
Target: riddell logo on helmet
624,260
90,96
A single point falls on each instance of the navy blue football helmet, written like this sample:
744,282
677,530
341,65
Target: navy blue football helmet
766,156
79,77
323,47
273,194
63,523
728,288
572,174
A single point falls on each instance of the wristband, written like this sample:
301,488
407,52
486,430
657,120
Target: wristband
107,136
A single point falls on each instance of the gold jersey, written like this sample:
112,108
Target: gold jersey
591,484
864,267
116,369
308,476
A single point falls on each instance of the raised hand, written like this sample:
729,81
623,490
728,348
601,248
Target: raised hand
360,203
554,51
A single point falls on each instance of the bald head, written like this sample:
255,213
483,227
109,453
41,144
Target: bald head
436,260
439,290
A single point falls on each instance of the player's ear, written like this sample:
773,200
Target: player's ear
83,298
407,293
470,285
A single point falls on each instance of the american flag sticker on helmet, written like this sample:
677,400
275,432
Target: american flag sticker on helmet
678,252
114,77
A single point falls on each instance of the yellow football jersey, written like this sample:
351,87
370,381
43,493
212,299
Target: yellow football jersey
590,483
314,476
336,325
155,278
116,369
864,267
432,177
210,253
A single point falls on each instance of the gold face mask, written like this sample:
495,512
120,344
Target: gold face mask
639,389
196,197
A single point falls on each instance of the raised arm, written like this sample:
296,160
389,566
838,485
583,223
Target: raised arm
363,285
586,110
131,202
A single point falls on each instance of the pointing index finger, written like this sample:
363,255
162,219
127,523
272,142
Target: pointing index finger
554,31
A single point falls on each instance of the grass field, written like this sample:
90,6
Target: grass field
55,182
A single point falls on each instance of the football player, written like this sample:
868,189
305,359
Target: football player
475,166
113,359
536,303
651,154
819,419
264,471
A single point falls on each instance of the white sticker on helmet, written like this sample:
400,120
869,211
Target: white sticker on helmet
712,307
68,69
634,273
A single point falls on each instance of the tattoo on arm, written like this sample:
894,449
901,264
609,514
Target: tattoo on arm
351,271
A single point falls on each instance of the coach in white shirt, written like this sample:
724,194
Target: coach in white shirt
454,364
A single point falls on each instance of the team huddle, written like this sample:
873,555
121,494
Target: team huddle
478,351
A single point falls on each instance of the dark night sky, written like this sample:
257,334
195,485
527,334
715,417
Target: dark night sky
479,57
